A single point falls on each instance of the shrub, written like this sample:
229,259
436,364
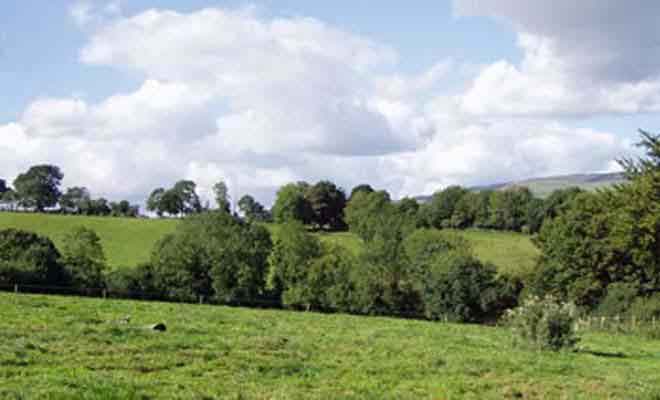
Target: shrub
458,287
137,282
645,308
28,258
618,299
83,258
544,324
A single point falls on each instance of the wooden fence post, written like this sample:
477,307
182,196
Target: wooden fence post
104,293
16,288
201,299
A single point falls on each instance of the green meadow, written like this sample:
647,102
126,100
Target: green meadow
67,347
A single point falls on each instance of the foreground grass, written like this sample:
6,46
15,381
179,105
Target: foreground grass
60,348
126,241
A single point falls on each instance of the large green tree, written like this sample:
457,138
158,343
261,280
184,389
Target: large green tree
612,236
327,202
292,205
39,187
28,258
214,255
442,205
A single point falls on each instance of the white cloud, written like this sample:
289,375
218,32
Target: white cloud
580,59
258,102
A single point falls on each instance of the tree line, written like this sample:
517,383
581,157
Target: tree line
38,189
599,250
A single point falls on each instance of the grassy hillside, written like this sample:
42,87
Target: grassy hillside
126,241
542,187
59,347
509,251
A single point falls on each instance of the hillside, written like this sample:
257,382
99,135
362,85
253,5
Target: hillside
128,242
68,347
542,187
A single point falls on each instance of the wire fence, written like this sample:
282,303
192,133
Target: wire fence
615,324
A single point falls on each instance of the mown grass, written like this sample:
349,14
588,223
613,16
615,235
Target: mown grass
126,241
67,347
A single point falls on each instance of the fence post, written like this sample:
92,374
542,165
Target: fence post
104,294
16,288
201,299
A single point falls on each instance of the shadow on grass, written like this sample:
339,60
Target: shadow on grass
603,353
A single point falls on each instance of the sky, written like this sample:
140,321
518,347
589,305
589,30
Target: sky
126,96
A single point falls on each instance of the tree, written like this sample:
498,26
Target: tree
83,258
9,199
28,258
385,279
443,204
611,236
124,209
558,200
74,199
363,211
186,198
222,196
3,187
293,252
408,206
327,202
292,205
252,209
508,208
213,255
361,188
39,187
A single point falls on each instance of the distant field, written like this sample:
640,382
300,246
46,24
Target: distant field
126,241
509,251
67,347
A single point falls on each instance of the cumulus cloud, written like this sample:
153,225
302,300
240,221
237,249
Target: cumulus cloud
580,58
259,102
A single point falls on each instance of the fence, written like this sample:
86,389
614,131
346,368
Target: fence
616,324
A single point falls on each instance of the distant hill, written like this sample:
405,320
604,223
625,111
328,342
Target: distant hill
542,187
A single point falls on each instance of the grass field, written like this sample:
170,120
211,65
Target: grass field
67,347
509,251
128,242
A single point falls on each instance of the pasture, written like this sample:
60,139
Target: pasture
66,347
129,241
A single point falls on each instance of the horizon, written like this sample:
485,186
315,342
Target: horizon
129,97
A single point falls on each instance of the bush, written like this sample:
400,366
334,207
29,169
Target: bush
83,258
458,287
618,299
137,282
28,258
544,324
645,308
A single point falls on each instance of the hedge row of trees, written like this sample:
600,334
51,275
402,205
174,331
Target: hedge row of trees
38,189
403,271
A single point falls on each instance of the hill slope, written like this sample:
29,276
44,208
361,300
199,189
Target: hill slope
67,347
542,187
128,242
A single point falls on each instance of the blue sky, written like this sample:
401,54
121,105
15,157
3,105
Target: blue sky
411,97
